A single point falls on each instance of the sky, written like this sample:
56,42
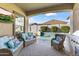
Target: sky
41,18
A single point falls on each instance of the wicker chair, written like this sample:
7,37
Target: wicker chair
57,43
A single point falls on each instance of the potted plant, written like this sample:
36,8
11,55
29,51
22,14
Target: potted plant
54,28
65,29
44,29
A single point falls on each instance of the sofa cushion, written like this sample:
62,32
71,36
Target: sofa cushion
30,34
16,42
56,42
14,50
10,44
58,38
3,40
24,36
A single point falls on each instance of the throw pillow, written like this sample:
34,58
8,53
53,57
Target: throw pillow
10,44
58,38
16,42
24,36
30,33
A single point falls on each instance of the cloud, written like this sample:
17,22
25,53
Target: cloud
31,20
50,14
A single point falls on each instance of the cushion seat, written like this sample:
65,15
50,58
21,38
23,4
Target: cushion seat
16,48
56,42
3,40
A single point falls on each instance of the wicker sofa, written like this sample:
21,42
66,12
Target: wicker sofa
8,51
46,35
28,38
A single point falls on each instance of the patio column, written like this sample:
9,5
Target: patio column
26,24
76,17
71,23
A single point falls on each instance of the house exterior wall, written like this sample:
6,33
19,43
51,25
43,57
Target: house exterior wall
7,29
37,28
34,28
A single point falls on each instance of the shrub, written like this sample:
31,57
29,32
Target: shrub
44,29
65,29
54,29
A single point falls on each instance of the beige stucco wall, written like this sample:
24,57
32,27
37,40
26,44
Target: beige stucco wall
6,29
76,17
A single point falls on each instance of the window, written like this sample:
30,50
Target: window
19,24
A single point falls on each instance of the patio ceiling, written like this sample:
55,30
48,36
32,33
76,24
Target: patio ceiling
34,8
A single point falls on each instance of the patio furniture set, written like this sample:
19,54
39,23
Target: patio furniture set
12,45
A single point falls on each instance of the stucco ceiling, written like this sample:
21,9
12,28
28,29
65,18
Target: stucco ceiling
33,6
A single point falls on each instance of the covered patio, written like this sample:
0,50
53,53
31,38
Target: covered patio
16,40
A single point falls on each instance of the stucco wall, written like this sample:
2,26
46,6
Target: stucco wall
6,29
76,17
